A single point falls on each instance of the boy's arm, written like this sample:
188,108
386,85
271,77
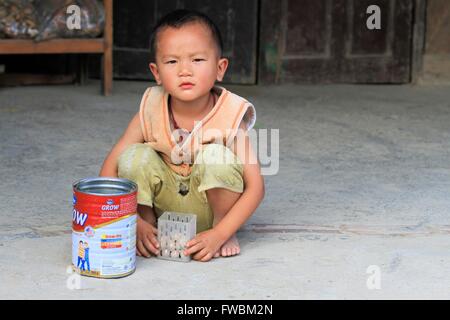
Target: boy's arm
146,221
133,134
253,188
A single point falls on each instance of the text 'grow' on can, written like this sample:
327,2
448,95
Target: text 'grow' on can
104,227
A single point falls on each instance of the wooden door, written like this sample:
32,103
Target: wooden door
237,21
326,41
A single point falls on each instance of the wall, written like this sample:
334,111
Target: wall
436,60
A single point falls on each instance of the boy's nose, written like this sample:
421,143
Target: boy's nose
184,70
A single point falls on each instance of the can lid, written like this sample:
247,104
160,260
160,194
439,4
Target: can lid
105,186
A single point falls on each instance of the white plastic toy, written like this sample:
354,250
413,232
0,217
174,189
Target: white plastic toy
175,229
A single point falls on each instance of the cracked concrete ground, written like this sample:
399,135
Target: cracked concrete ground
363,180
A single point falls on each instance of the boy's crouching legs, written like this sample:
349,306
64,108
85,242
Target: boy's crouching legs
221,177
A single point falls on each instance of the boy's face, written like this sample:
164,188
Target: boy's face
187,61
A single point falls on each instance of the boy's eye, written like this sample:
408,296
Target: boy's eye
171,61
198,60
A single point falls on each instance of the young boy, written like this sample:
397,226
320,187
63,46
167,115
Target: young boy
187,148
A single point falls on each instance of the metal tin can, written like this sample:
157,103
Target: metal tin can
104,227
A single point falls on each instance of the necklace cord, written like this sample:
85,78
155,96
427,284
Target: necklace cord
172,118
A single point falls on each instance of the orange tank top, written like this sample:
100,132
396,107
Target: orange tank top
220,125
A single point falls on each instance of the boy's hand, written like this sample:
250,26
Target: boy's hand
204,245
146,241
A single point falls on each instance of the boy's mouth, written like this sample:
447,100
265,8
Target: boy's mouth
186,85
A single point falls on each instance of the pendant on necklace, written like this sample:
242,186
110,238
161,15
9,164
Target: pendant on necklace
183,189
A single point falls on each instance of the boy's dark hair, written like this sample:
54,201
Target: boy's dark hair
179,18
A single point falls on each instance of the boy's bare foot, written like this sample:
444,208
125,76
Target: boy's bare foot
229,248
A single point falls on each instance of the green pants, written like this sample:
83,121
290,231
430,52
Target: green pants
160,187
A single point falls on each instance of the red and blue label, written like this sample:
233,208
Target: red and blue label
97,211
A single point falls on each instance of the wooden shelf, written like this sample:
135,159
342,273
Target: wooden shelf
61,46
12,46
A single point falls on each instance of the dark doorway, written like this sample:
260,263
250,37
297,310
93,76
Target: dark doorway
324,41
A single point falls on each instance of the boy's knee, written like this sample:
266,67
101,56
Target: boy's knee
133,158
216,154
219,165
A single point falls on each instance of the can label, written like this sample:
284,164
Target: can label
104,234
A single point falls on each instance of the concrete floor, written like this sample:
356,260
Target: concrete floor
364,180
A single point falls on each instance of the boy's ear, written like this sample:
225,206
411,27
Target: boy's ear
154,69
222,66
